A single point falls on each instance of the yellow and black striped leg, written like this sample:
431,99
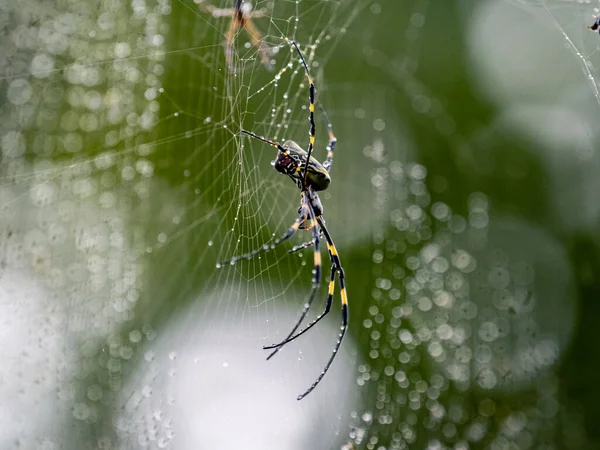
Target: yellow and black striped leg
311,108
316,281
265,248
344,298
332,141
335,267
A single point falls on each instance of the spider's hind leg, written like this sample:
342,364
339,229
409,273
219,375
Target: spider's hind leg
316,280
344,300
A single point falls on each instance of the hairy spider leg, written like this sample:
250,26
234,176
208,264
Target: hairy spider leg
316,281
311,108
265,248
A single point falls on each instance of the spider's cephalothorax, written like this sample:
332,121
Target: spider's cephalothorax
310,176
291,162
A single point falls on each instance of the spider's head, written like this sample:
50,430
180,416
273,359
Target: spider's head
285,163
290,161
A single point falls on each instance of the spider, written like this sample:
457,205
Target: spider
241,17
310,176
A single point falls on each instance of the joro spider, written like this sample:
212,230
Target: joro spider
310,176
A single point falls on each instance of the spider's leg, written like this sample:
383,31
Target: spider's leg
328,303
257,41
311,109
306,244
234,25
265,248
332,141
214,11
266,141
344,299
335,268
221,12
304,226
239,19
259,13
297,248
316,280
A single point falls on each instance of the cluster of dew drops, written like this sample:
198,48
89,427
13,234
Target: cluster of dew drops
423,265
75,77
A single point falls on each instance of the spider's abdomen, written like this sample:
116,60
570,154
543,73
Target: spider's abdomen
317,176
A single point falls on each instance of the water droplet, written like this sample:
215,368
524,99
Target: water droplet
19,92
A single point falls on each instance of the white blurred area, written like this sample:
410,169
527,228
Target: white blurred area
534,60
69,278
522,313
205,383
35,367
74,353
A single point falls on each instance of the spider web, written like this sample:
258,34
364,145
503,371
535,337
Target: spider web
124,179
